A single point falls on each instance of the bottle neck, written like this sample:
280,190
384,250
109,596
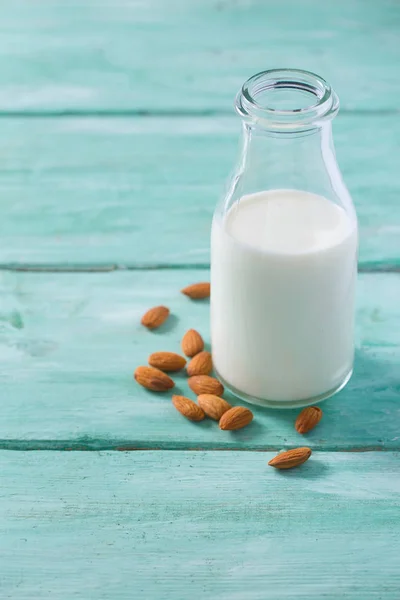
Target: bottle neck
294,160
287,137
303,161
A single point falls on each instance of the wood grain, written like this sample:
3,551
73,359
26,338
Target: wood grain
69,344
143,191
95,526
190,56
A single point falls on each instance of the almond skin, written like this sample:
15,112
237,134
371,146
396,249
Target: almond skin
155,317
291,458
167,361
153,379
213,406
197,291
192,343
235,418
201,364
204,384
188,408
308,419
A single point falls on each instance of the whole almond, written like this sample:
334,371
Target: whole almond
213,406
167,361
153,379
192,343
235,418
201,364
197,291
188,408
155,317
308,419
291,458
204,384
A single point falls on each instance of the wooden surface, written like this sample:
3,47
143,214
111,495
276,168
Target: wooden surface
218,525
95,191
180,56
71,342
117,136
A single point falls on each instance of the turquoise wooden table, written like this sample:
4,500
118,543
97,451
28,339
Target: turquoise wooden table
117,134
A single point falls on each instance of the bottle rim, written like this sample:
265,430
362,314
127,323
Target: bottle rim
274,100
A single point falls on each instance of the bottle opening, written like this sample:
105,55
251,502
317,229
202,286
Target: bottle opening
286,100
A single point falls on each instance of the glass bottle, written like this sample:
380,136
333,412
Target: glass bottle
284,249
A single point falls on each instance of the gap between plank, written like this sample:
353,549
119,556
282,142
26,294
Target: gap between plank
167,113
373,267
87,445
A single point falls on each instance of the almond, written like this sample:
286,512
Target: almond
308,419
213,406
204,384
235,418
153,379
192,343
188,408
201,364
155,317
197,291
291,458
167,361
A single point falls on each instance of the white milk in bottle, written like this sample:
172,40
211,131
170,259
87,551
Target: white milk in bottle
282,296
284,249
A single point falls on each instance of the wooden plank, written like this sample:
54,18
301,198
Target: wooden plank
190,56
222,525
142,191
69,344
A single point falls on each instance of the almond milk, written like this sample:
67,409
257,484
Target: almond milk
282,297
